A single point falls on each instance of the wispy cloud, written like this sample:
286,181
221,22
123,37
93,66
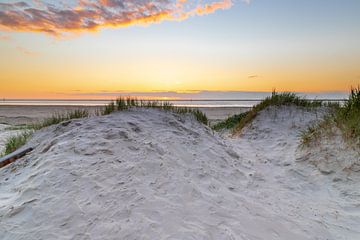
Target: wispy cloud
195,95
5,37
91,15
25,51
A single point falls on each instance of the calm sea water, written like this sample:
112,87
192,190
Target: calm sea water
233,99
186,103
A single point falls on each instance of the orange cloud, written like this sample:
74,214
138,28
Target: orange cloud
210,8
91,15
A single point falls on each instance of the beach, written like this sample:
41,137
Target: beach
25,114
179,120
153,174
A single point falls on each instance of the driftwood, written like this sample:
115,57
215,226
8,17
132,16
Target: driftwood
12,157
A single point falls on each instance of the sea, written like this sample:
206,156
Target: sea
224,99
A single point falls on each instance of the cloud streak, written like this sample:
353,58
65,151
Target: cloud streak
253,76
4,37
197,95
92,15
25,51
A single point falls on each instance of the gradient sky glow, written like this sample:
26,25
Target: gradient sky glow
305,45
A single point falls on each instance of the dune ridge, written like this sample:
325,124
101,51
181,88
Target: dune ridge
151,174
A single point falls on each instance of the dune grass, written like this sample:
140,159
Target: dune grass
18,127
239,121
61,117
15,142
121,104
230,122
346,118
199,116
276,99
314,132
109,108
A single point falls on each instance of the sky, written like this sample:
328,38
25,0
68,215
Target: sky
96,48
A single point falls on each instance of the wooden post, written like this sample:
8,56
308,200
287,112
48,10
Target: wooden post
12,157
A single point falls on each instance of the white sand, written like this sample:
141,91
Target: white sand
148,174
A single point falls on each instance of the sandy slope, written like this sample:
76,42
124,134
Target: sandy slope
286,180
148,174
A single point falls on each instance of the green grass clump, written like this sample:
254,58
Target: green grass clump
16,142
121,104
315,131
19,140
109,108
18,127
199,115
230,122
346,118
308,135
276,99
61,117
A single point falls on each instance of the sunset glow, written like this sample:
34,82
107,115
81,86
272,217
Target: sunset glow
176,46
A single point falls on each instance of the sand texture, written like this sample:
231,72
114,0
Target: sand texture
151,174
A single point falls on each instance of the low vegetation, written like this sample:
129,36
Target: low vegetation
276,99
61,117
19,140
108,109
315,131
16,141
346,118
237,122
18,127
230,122
119,104
122,104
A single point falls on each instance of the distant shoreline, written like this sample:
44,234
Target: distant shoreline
26,114
195,103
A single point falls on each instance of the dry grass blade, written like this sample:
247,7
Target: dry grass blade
346,118
15,142
276,99
121,104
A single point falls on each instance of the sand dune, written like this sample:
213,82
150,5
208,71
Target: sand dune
150,174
